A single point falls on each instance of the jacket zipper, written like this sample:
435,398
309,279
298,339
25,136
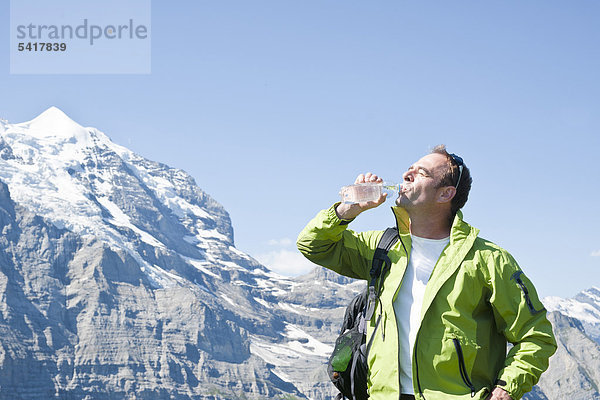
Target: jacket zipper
417,366
517,277
462,368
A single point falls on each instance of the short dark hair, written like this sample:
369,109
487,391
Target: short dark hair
450,178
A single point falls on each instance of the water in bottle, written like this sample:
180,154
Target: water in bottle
368,191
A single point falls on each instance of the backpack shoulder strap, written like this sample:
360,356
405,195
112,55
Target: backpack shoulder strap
388,239
380,258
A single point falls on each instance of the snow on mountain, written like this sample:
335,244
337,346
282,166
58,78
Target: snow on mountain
53,123
584,307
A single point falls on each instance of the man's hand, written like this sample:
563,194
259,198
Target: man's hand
349,211
499,394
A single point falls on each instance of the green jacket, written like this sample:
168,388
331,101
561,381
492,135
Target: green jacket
476,300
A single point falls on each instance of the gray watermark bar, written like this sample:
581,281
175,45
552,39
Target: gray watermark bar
80,37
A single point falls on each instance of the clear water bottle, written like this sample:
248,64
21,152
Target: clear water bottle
368,191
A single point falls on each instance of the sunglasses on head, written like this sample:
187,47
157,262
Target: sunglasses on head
459,163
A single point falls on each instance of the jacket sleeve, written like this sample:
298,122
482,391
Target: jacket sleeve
327,241
521,317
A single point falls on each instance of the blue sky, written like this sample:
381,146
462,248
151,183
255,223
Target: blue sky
274,105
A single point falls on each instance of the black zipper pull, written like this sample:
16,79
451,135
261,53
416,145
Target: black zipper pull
384,322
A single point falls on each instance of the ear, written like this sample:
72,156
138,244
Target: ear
446,194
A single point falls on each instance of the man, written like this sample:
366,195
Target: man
451,300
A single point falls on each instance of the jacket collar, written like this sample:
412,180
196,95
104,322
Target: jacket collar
460,229
402,220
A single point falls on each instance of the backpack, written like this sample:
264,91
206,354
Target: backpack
347,366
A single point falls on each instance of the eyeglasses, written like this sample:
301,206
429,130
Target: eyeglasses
459,163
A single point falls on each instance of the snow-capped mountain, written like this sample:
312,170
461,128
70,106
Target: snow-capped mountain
75,178
574,371
119,278
584,307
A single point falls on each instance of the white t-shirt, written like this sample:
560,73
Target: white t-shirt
407,306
